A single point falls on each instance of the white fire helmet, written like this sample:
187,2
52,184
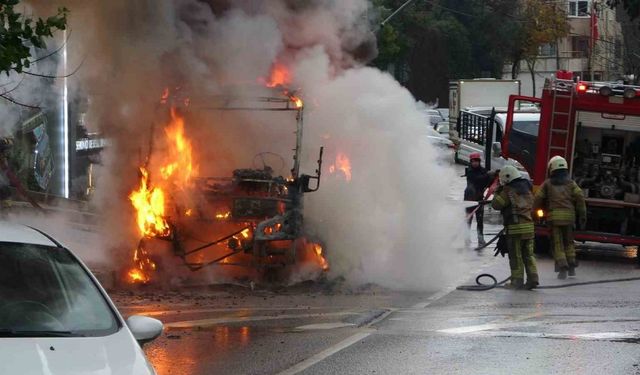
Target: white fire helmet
508,174
557,162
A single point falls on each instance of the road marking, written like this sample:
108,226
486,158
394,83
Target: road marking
326,353
487,327
595,336
322,326
202,323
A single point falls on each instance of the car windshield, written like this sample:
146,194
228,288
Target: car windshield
45,292
529,127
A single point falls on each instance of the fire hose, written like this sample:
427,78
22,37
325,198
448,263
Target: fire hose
481,287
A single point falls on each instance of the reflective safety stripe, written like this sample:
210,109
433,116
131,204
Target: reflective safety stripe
499,201
522,228
560,214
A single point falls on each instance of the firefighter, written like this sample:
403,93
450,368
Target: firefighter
478,179
563,200
514,199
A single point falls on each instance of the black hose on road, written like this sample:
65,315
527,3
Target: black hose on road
480,287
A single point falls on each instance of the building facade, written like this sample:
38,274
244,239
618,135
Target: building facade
592,50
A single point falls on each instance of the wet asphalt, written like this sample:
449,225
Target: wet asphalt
326,328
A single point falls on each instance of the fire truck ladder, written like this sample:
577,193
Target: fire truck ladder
555,129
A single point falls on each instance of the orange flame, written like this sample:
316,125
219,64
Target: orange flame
180,153
149,202
279,76
149,205
342,164
323,262
297,101
143,267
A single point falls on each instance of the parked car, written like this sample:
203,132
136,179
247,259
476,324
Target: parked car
55,318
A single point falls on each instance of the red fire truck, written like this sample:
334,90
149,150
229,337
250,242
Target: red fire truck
596,127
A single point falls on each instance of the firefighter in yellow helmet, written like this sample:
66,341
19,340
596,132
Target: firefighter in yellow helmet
563,201
514,199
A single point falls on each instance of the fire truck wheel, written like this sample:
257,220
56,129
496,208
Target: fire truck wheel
542,245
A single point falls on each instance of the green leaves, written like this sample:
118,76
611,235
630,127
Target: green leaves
19,33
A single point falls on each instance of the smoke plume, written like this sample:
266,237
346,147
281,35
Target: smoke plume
388,223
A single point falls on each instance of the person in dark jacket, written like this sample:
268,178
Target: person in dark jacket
478,179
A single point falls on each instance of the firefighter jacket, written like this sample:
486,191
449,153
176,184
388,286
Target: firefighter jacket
563,200
515,202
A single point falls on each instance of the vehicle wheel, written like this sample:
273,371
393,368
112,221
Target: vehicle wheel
542,245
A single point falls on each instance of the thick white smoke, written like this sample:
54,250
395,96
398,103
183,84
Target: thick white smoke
390,224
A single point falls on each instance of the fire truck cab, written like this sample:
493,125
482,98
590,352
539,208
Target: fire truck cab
595,126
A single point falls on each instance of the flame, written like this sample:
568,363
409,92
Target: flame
342,164
175,172
323,262
180,152
143,267
149,205
279,76
223,216
297,101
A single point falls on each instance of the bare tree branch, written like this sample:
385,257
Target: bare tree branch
56,77
15,87
54,52
10,99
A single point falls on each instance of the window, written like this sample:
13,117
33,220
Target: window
45,292
579,8
547,50
580,46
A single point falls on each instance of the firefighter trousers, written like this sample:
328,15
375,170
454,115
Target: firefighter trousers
521,258
564,252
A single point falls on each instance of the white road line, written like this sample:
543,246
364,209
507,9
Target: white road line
595,336
215,321
326,353
323,326
486,327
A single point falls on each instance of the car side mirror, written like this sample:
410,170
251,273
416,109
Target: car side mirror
496,148
144,329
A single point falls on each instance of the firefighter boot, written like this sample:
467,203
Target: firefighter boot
563,273
515,284
532,282
572,266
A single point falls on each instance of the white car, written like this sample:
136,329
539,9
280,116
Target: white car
55,318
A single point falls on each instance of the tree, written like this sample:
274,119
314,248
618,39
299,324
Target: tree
632,7
19,33
541,22
20,36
